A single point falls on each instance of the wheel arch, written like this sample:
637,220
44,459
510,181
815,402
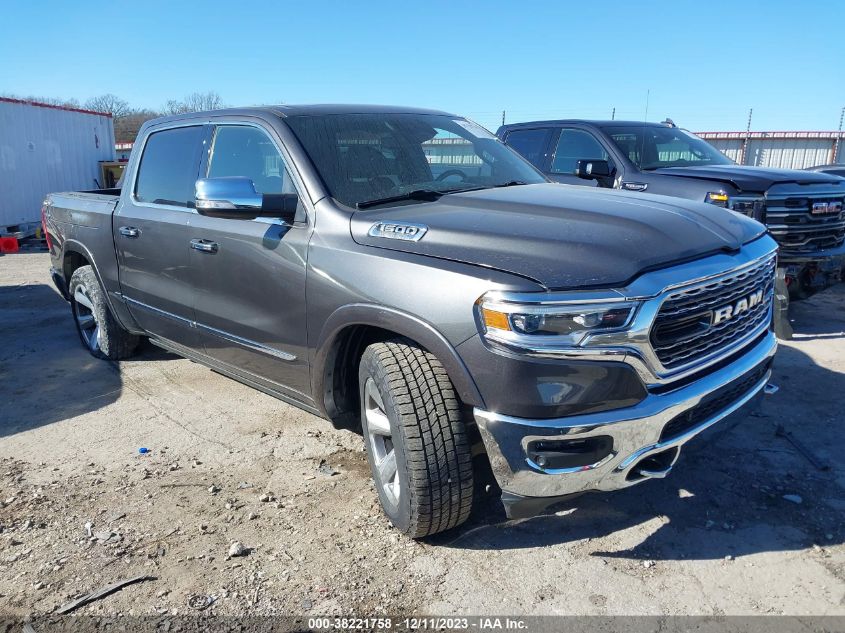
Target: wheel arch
341,343
75,255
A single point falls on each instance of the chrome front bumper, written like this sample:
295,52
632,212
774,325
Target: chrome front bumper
635,431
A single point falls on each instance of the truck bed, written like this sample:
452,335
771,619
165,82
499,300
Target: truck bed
85,219
84,208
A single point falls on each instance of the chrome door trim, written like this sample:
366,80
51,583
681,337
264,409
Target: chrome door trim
164,313
250,344
245,342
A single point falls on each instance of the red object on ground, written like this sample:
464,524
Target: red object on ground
9,245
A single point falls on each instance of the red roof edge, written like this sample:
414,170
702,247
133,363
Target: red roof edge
54,107
778,133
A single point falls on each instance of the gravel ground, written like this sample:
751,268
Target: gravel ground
744,525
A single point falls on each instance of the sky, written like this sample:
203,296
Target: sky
704,64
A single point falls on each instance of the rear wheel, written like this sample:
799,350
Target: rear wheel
415,437
99,332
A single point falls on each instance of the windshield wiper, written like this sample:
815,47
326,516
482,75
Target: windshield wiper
430,195
424,195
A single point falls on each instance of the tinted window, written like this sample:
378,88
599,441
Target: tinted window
168,171
367,157
249,152
531,144
652,147
572,146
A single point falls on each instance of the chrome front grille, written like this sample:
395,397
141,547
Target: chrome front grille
790,217
691,323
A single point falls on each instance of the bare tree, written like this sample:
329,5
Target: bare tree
67,103
194,102
128,120
126,127
109,103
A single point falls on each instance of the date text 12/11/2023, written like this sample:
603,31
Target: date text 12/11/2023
418,624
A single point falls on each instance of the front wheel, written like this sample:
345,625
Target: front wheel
100,333
416,440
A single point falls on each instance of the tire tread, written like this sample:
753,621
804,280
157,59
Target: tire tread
437,449
115,342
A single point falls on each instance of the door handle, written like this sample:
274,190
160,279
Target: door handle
206,246
129,231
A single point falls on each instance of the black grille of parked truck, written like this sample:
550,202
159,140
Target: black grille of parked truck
803,209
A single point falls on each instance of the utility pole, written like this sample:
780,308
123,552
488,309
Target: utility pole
647,95
837,142
747,137
503,117
613,115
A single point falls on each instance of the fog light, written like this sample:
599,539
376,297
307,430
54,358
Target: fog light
553,454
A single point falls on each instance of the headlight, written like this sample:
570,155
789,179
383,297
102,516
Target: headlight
752,207
718,198
558,324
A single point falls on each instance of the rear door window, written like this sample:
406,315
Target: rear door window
532,144
574,145
169,165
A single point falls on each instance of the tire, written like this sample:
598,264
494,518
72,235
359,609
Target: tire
101,335
413,427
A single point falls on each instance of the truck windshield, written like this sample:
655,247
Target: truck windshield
653,147
379,158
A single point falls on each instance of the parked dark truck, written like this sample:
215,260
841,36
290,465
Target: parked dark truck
803,210
404,273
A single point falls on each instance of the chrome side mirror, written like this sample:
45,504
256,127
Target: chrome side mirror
231,197
235,197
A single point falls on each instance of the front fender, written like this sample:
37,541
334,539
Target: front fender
402,324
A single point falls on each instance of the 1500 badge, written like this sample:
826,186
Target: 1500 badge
398,231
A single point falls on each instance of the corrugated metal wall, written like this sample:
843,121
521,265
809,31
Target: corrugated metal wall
731,148
784,150
44,149
788,153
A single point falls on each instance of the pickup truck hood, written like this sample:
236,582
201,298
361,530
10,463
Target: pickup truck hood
744,178
563,236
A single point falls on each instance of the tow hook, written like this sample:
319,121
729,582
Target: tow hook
657,466
770,389
654,474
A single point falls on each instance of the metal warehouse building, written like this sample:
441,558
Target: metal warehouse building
785,150
46,148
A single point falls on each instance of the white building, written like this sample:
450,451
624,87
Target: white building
46,148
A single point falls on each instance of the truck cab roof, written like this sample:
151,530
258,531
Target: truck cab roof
592,122
300,110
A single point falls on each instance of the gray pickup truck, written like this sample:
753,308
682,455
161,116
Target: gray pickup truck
404,273
803,210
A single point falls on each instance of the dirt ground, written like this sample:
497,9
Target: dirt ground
745,524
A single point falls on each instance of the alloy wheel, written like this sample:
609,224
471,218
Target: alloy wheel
89,329
380,439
